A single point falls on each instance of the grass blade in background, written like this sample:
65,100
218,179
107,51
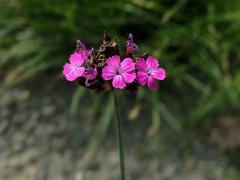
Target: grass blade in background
100,131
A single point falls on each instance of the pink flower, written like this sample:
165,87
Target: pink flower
90,74
74,69
122,73
149,72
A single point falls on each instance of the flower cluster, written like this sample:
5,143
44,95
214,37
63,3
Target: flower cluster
106,69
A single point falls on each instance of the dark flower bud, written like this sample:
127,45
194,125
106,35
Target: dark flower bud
131,47
106,37
145,55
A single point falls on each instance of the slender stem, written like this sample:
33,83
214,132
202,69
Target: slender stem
119,137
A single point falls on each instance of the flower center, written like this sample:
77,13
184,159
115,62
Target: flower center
119,71
76,67
149,71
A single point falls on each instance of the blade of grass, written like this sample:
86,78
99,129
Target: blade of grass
100,131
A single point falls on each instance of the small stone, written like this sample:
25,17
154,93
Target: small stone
3,126
23,95
5,112
48,110
79,175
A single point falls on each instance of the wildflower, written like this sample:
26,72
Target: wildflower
130,45
95,70
149,72
122,73
90,74
74,69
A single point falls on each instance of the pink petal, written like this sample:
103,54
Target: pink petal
118,82
90,73
141,65
127,65
67,68
159,73
142,77
114,62
152,83
71,73
79,72
89,53
128,77
76,58
108,73
71,76
152,62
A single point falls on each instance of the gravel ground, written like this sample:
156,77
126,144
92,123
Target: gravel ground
36,144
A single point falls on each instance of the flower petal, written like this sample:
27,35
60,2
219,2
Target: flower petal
90,73
79,72
118,82
142,77
76,58
67,68
128,77
141,65
71,73
114,62
152,62
152,83
108,73
127,65
71,76
159,73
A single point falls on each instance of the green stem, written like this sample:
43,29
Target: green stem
119,137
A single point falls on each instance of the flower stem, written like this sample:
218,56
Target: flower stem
119,137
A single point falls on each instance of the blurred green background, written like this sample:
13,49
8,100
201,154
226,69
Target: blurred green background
188,129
